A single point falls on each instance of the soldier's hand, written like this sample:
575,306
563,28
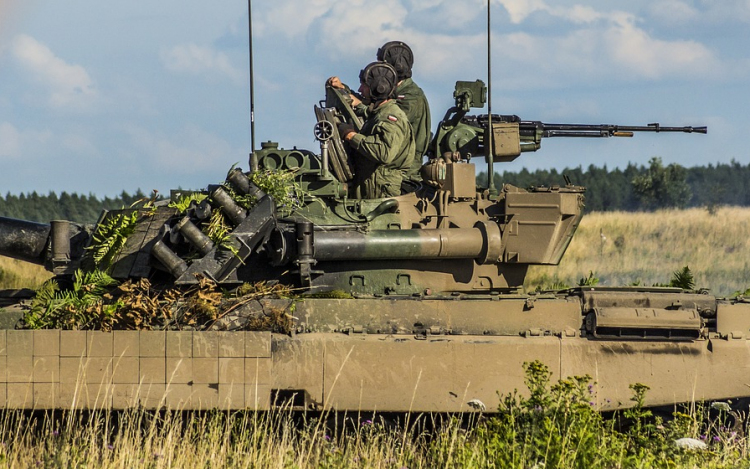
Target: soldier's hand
355,101
346,131
334,82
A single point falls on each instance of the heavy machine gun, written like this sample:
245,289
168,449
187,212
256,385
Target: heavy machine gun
512,135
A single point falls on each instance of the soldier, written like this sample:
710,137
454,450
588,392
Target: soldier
409,97
385,145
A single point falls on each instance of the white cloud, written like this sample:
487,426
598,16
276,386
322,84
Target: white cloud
594,43
634,49
69,86
200,60
354,30
600,45
580,14
353,27
519,10
291,19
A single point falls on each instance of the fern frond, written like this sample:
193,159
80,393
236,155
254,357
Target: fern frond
110,237
183,203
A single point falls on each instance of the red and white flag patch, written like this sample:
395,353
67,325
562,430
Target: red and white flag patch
392,118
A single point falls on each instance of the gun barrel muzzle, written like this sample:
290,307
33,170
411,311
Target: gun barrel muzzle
24,240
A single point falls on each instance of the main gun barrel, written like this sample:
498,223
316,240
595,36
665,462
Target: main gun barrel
24,240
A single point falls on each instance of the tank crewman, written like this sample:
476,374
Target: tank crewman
409,97
385,145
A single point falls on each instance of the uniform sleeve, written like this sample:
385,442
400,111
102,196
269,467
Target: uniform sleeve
382,145
362,111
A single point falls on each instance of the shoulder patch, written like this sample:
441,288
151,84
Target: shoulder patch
392,118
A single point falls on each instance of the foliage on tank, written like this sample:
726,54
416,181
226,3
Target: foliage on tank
97,301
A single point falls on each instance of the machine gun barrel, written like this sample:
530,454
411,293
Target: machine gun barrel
515,135
529,128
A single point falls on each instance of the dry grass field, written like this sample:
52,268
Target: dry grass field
624,248
17,274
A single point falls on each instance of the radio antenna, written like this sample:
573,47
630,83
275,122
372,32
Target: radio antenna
489,153
252,82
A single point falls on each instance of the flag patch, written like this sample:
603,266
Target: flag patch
400,96
392,118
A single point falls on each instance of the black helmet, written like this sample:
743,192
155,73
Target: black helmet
381,79
399,55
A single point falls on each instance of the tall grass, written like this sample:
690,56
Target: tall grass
646,248
139,438
555,427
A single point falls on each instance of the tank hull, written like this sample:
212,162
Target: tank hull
358,355
381,373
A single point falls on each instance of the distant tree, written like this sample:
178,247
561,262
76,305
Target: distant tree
66,206
663,186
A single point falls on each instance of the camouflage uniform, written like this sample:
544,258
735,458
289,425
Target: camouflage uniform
385,152
412,101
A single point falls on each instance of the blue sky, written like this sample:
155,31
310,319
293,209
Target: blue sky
99,97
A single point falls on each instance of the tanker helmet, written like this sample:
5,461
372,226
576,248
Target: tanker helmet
399,55
382,80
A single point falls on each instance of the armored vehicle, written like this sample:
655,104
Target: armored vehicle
415,302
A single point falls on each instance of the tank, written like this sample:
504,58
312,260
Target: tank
415,302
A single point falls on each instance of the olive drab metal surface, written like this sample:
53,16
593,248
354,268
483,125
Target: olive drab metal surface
425,308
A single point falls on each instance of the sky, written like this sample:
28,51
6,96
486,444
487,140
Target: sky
100,97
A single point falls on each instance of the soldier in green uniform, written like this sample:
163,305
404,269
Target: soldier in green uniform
385,145
409,97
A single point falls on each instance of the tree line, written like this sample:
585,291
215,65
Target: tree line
79,208
640,187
